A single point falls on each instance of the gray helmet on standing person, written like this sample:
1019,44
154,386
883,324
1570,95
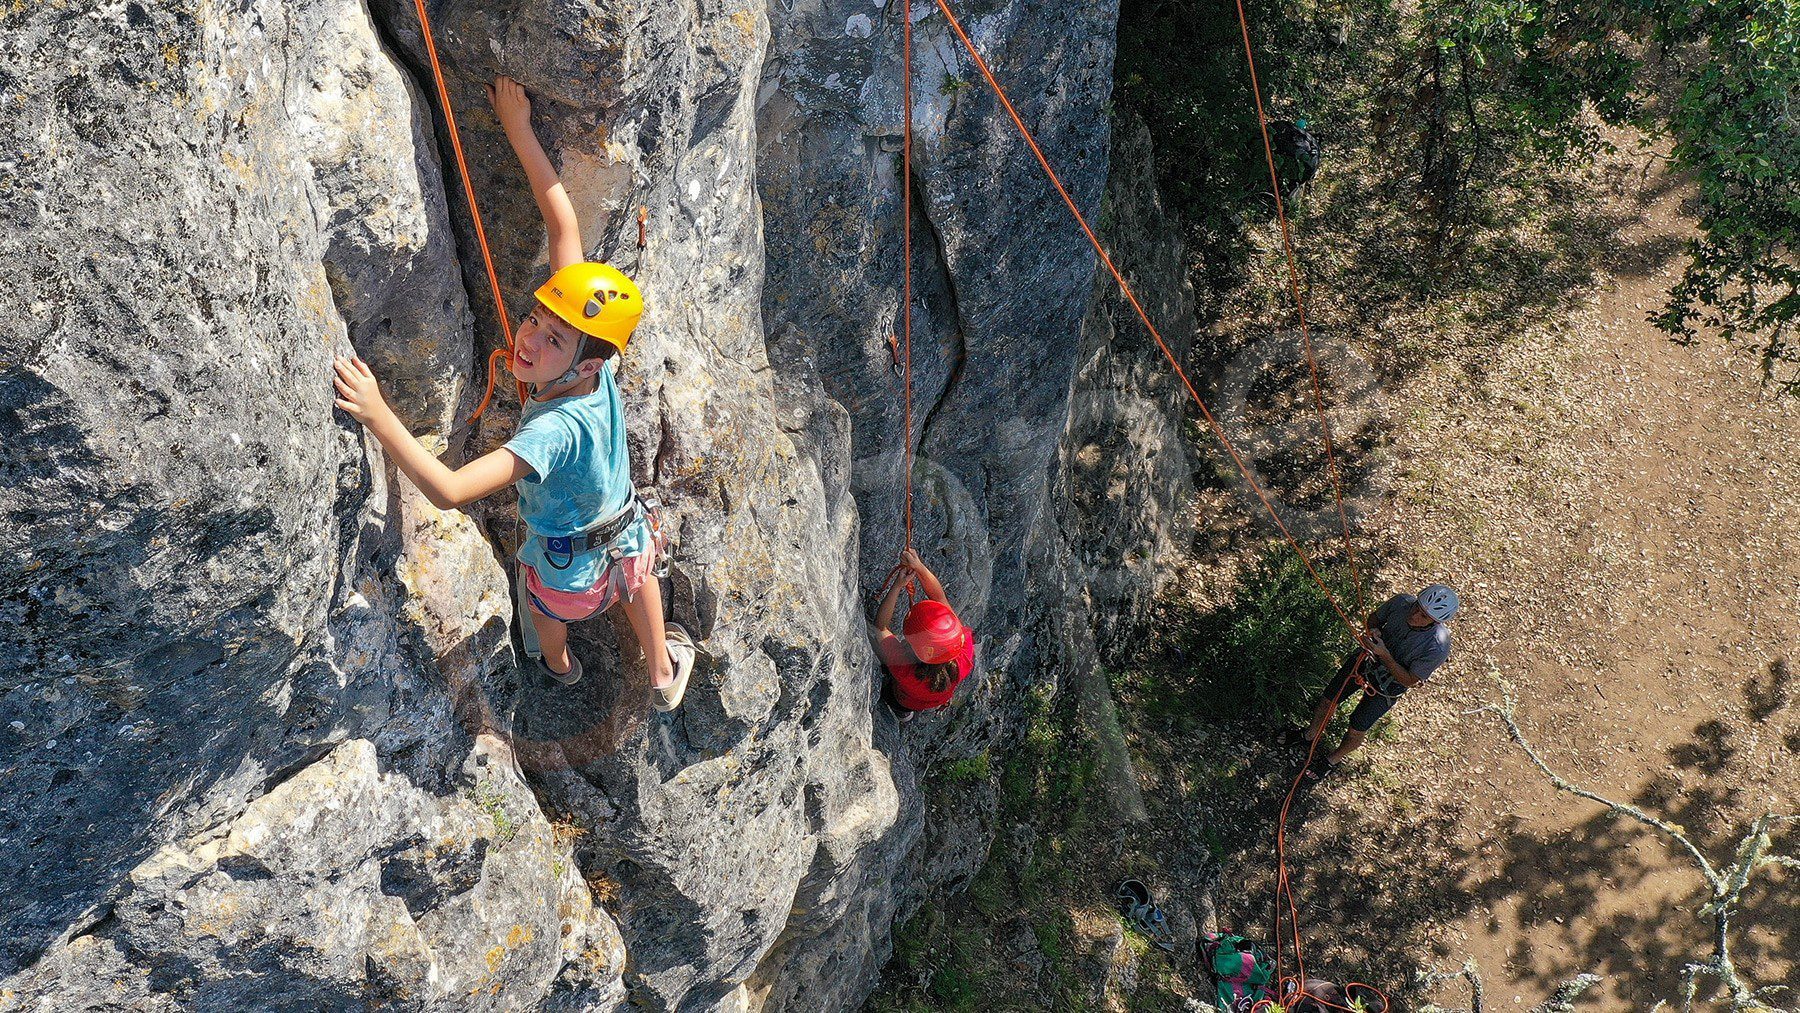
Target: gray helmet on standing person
1439,602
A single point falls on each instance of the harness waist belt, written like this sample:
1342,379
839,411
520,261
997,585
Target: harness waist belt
591,539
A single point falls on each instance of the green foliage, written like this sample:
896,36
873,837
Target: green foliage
971,770
1054,822
491,799
1181,68
1268,651
1722,79
1460,107
1736,132
950,961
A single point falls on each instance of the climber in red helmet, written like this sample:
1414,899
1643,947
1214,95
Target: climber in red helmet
938,652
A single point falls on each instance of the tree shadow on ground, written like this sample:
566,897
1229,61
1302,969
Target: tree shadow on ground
1366,897
1378,883
1587,875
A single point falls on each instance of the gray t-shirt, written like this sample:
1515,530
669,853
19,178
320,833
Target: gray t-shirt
1418,651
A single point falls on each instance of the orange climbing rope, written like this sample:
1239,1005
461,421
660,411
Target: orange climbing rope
906,187
503,354
902,350
1289,988
1131,296
1283,882
1312,363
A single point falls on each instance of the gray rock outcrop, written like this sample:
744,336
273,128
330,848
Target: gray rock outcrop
263,732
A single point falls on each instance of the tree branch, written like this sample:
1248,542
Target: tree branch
1563,1000
1726,888
1505,711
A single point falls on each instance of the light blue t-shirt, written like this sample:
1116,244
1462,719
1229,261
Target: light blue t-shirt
580,477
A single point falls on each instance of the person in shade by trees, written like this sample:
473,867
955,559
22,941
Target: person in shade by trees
1403,643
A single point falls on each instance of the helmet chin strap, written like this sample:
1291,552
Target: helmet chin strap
569,376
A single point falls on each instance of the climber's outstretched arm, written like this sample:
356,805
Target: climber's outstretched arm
884,613
360,395
513,107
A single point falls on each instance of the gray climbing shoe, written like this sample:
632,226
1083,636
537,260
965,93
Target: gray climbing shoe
681,655
569,678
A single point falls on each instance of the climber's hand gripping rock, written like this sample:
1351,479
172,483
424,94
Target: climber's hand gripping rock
358,391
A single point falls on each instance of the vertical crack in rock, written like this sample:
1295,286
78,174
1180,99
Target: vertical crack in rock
939,261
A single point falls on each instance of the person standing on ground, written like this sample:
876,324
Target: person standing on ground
1403,643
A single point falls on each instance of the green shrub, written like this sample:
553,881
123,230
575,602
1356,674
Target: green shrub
1269,651
972,770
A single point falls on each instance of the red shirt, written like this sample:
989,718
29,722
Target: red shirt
912,692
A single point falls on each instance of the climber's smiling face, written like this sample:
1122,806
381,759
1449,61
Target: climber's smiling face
544,346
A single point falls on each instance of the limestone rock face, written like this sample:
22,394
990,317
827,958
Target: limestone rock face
264,734
182,542
211,585
340,886
1002,277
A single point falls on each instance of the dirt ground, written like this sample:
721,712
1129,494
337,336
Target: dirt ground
1622,516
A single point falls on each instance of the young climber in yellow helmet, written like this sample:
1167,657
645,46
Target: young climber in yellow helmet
591,539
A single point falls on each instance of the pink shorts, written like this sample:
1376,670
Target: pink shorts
621,579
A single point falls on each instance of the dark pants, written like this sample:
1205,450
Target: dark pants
1373,704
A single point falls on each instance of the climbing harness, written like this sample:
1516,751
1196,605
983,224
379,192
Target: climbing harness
645,504
598,537
1375,679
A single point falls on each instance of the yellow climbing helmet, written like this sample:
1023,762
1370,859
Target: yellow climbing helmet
595,299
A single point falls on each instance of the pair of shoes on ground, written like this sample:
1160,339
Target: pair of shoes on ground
1136,904
681,657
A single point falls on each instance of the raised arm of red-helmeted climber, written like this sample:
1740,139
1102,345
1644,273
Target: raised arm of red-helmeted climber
927,580
513,107
884,613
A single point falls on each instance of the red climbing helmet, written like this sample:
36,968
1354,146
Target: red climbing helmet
933,632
